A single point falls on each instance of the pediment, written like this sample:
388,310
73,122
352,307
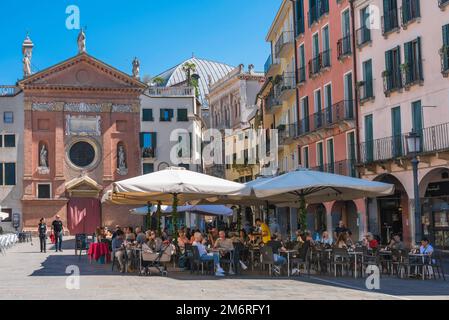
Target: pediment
82,72
83,183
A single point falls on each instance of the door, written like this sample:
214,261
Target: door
305,114
326,61
83,215
349,106
351,154
319,155
328,104
390,217
317,109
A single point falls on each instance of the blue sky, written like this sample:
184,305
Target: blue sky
161,33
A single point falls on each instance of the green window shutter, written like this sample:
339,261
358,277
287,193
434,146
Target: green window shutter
1,175
306,157
141,139
446,35
369,143
396,131
368,78
417,116
330,150
154,140
408,49
420,67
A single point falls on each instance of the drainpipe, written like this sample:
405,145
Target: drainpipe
355,80
296,60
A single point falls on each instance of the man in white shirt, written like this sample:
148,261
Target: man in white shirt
205,256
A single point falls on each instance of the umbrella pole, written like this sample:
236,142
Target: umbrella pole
175,217
159,218
239,218
149,218
302,212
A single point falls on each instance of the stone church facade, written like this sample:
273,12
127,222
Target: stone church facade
81,133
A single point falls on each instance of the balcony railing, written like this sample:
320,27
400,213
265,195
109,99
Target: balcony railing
286,83
344,46
444,54
288,131
322,61
343,110
392,80
433,139
363,36
286,37
412,73
443,3
8,91
390,21
344,167
302,74
410,11
148,153
171,91
272,101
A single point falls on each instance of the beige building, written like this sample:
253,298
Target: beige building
403,63
232,110
11,153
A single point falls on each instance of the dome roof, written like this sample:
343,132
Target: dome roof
204,68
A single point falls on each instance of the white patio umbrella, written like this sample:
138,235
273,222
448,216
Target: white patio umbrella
315,187
213,210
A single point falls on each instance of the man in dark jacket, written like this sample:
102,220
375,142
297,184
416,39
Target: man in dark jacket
42,230
58,231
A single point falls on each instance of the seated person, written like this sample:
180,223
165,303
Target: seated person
141,237
341,241
204,256
182,240
349,242
119,251
277,247
326,239
426,247
396,243
370,242
129,234
212,236
154,243
223,243
98,235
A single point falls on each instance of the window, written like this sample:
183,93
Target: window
413,62
147,115
392,73
82,154
317,8
351,153
328,103
326,54
166,115
318,115
182,115
302,64
10,140
148,144
319,156
299,17
148,168
396,131
330,155
43,191
305,124
390,18
444,51
305,157
369,140
364,33
349,96
344,44
367,88
8,117
10,174
410,11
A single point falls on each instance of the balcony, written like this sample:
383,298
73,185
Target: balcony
412,74
302,75
443,3
272,102
344,47
8,91
287,133
390,22
171,91
433,139
363,36
148,153
410,11
284,45
272,66
392,80
444,54
344,167
327,118
285,86
319,63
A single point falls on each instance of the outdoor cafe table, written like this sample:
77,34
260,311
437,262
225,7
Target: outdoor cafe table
355,254
288,253
99,252
423,257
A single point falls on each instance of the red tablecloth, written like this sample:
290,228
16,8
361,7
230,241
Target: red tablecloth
97,250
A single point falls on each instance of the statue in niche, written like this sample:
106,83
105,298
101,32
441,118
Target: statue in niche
121,161
43,157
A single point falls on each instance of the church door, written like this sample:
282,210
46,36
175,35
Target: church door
83,215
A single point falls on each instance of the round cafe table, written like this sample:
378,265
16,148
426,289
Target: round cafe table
99,252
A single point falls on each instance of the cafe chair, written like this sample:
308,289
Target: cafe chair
197,262
436,265
303,261
341,258
267,258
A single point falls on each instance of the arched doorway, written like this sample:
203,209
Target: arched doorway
316,218
347,212
393,210
434,191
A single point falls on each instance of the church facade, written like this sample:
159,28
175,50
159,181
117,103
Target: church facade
81,133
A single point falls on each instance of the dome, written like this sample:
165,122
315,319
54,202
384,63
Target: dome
204,68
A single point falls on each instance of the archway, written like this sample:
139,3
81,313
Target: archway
346,211
434,192
316,218
393,211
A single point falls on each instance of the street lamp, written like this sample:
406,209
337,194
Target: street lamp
413,148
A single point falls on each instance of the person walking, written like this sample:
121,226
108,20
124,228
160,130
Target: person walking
58,231
42,231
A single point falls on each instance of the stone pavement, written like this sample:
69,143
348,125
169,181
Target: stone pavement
25,273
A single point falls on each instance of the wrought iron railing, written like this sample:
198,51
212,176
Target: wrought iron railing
302,74
318,63
363,35
392,80
344,46
412,73
316,12
286,37
367,89
287,81
444,54
272,101
171,91
345,167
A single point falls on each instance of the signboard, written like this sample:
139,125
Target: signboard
16,220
